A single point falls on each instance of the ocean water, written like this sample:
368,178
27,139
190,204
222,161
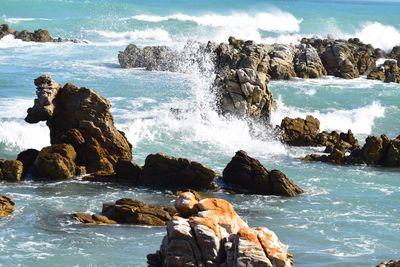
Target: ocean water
348,216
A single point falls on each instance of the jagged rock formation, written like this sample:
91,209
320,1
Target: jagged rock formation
388,72
11,170
164,171
81,118
245,174
307,63
389,263
306,132
376,151
345,59
6,206
281,62
129,211
39,35
216,236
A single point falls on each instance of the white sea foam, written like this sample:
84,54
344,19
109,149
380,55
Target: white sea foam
18,20
16,136
155,34
359,120
239,24
379,35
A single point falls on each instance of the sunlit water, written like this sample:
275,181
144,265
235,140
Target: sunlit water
349,215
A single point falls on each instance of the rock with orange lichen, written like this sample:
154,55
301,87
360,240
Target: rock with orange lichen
217,236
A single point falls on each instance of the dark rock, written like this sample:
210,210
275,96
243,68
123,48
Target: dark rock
55,162
388,72
245,174
28,157
11,170
128,171
27,36
80,117
176,173
6,206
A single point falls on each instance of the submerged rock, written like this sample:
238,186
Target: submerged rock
6,206
128,211
80,117
245,174
216,236
164,171
11,170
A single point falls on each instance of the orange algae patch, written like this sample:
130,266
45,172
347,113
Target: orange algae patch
210,223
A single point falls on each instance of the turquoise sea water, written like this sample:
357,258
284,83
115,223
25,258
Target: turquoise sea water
349,215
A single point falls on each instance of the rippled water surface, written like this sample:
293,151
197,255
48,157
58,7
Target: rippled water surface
349,215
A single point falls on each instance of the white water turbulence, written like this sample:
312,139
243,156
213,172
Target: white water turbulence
238,24
359,120
380,35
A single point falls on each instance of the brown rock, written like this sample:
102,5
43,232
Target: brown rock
6,206
130,211
176,173
80,117
389,263
28,158
128,171
300,132
11,170
55,162
92,218
245,174
308,63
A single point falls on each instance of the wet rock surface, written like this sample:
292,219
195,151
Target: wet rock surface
129,211
11,170
216,236
388,72
80,117
246,174
389,263
377,150
6,206
165,171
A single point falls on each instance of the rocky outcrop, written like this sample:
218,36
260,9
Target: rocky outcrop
160,58
307,63
81,118
55,162
11,170
388,72
129,211
395,54
6,206
216,236
389,263
164,171
281,63
376,151
244,93
306,132
300,132
39,35
345,58
245,174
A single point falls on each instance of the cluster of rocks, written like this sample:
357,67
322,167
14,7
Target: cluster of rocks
6,206
129,211
388,71
84,140
306,132
377,150
41,36
214,235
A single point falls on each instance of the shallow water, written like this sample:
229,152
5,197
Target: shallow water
349,216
